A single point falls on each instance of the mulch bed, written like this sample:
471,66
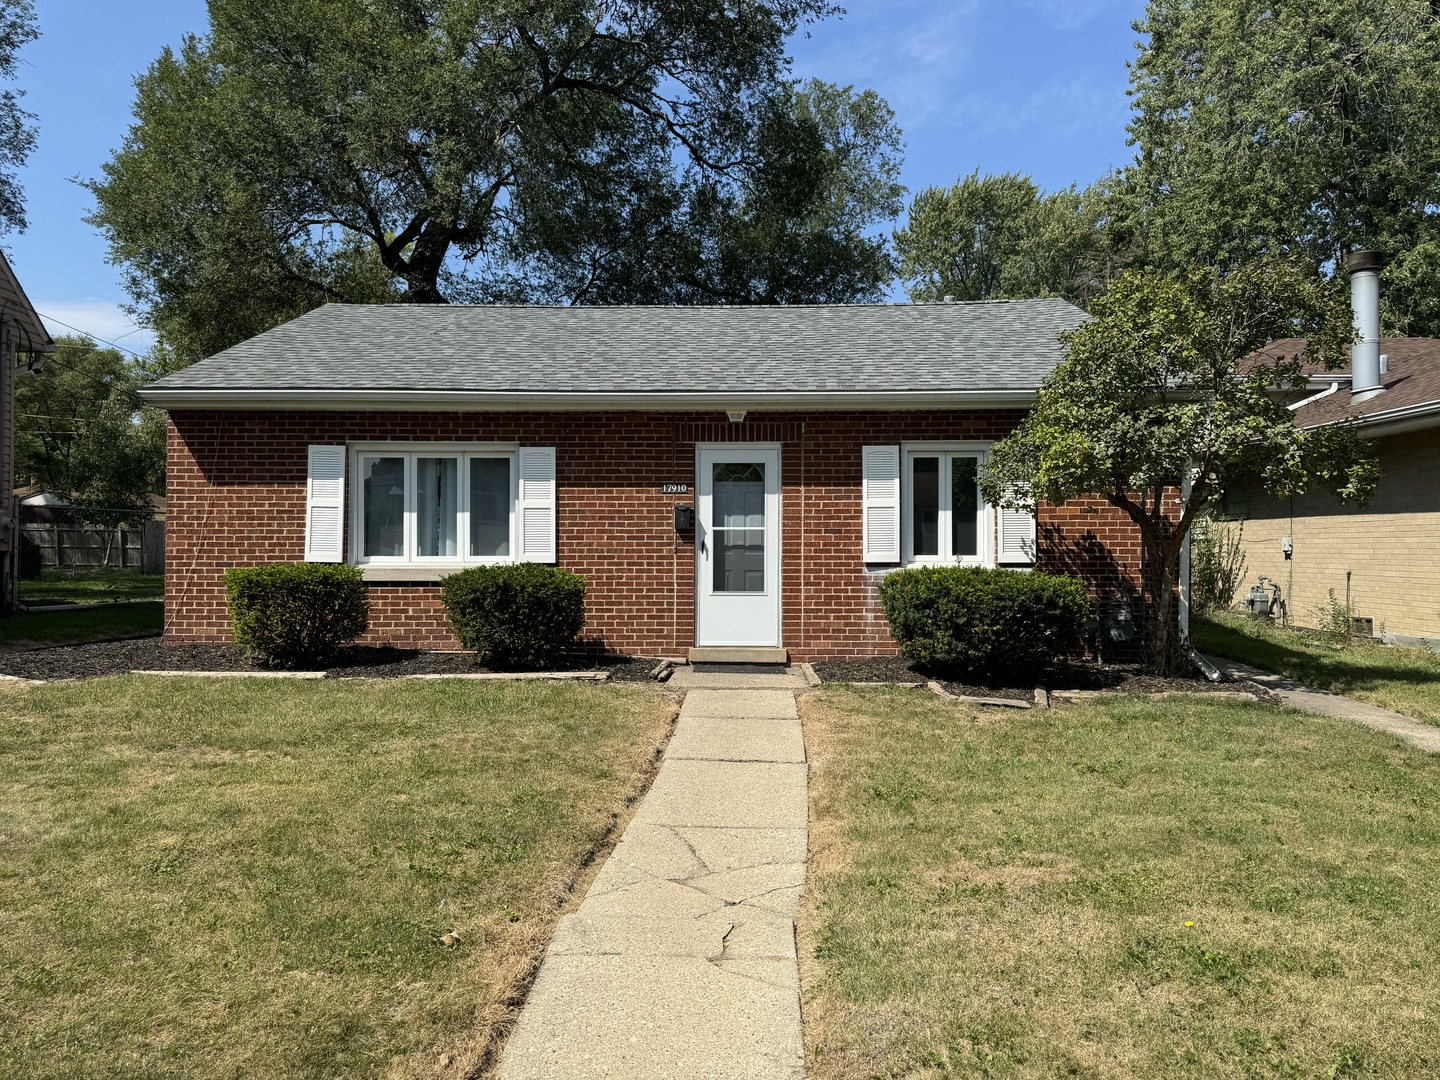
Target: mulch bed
101,658
1072,675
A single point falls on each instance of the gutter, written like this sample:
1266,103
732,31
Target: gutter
533,401
1417,417
1334,387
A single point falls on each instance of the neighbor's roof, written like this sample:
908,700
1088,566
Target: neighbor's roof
408,356
31,335
1411,398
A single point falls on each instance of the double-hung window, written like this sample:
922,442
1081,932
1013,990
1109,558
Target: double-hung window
434,506
946,522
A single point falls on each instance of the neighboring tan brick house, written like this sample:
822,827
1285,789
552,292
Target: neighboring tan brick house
817,448
1383,557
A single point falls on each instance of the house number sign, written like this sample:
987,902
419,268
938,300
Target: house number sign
674,489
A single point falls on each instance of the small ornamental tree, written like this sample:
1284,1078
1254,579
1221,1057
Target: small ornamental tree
1162,385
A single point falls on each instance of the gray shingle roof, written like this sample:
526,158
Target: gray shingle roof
964,347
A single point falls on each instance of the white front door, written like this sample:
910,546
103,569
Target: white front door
737,545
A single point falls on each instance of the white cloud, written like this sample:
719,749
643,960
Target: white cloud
98,318
1060,108
915,53
1070,14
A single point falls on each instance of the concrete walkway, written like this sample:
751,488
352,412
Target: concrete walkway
1307,698
680,962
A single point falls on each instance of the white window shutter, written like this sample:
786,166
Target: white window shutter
325,505
1017,536
536,508
880,495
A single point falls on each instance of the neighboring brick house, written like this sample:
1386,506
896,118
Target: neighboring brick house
817,448
1383,558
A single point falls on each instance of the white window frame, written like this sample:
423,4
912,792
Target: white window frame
944,450
411,451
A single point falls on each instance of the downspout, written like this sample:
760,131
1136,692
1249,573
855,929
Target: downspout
1334,388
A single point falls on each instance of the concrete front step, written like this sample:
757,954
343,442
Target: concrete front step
738,655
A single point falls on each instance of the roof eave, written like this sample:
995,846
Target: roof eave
1418,417
490,401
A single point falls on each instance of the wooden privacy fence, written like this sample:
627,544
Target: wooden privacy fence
94,546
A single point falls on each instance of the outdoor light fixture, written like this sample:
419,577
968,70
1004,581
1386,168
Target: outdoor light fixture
737,416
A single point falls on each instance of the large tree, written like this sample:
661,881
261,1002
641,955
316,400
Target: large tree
1305,127
17,126
81,433
457,150
1000,237
1163,386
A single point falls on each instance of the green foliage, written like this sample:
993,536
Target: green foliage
1305,128
1161,384
523,615
986,623
1335,620
313,150
1217,563
1001,237
296,614
18,27
81,433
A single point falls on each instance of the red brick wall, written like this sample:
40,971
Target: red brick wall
236,497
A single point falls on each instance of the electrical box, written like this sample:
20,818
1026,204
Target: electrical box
1287,547
684,519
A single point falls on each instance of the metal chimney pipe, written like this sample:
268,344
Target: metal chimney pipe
1365,267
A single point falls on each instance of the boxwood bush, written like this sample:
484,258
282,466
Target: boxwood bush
991,624
296,614
516,616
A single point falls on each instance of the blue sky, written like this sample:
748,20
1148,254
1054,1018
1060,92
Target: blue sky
1034,86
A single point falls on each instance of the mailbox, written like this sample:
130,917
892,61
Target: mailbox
684,519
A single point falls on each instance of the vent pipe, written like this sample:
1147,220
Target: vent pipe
1365,267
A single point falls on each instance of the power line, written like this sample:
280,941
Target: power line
92,337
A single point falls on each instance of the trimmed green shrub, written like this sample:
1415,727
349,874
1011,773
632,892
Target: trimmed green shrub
296,614
997,624
516,616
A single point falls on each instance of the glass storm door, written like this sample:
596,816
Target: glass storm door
737,546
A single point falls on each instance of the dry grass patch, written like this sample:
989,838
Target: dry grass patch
258,879
1174,889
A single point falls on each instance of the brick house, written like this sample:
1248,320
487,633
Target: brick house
1382,559
721,476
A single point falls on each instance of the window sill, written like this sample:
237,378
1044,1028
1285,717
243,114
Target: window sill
395,573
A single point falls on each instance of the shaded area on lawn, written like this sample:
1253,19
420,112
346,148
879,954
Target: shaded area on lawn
81,625
257,882
1405,680
1177,889
59,586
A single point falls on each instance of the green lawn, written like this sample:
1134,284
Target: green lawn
1180,889
87,624
1405,680
92,586
256,880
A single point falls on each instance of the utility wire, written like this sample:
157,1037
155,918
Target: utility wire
92,337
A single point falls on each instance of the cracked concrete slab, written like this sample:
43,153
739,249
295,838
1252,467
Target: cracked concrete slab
658,1018
680,961
725,739
730,934
753,795
755,704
